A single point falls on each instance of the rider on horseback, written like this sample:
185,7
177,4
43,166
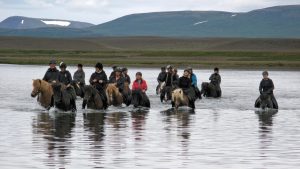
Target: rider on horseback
52,73
185,84
99,80
65,78
118,79
169,80
126,76
266,86
194,82
215,79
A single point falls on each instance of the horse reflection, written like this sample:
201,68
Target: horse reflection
265,119
183,119
138,119
94,122
117,119
56,131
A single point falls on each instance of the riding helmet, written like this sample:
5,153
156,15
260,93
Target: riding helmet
99,65
62,65
52,62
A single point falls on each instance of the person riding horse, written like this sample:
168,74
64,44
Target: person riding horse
169,80
126,76
215,79
52,73
193,78
65,78
79,75
266,87
160,79
140,87
119,80
99,80
185,83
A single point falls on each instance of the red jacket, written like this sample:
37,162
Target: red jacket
142,86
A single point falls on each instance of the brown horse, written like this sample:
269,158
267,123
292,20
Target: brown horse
127,94
44,91
179,99
114,97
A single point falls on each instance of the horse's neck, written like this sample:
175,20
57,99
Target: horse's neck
46,88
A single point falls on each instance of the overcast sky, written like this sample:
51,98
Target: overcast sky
99,11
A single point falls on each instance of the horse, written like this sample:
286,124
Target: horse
140,99
92,98
78,88
44,91
63,97
180,99
114,97
160,87
127,94
264,101
208,90
166,93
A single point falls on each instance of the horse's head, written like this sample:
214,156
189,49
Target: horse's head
77,88
57,91
265,100
177,97
88,92
136,98
36,84
111,91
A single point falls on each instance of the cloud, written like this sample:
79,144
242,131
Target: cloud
98,11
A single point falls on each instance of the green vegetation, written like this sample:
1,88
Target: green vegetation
153,58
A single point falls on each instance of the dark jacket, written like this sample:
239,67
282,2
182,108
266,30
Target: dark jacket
184,82
127,79
51,75
169,79
79,76
266,86
119,82
65,77
215,79
99,76
161,77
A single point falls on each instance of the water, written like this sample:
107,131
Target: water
221,133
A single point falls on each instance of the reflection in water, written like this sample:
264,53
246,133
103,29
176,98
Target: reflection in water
265,119
57,131
94,122
117,119
138,119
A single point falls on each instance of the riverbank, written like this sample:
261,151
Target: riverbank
197,59
229,53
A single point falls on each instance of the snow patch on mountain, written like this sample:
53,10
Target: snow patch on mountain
22,22
233,15
58,23
201,22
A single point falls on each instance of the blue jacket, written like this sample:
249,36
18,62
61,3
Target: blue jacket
194,80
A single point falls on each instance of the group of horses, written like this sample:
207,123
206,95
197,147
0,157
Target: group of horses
59,95
179,98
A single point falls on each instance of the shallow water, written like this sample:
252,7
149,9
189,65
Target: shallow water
220,133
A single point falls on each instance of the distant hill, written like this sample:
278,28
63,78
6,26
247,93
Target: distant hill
20,22
273,22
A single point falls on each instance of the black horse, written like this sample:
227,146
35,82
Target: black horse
92,98
79,89
64,98
209,90
166,93
140,99
265,101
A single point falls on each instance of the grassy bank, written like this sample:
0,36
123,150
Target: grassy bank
154,58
